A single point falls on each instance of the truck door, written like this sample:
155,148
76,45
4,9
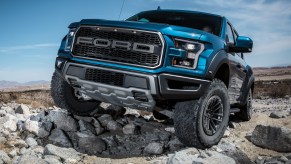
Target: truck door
237,68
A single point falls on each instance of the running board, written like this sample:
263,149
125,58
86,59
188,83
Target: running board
234,110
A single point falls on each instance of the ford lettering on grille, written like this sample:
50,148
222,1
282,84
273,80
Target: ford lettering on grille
116,44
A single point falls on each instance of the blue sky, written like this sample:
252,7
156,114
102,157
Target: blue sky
31,30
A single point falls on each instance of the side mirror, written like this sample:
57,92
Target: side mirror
243,44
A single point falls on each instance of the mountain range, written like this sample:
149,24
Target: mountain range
13,84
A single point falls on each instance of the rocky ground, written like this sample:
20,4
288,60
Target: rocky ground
118,135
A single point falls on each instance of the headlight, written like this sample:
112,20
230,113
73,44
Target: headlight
69,41
193,50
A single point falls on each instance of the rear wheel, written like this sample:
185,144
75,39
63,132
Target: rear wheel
246,111
66,97
201,123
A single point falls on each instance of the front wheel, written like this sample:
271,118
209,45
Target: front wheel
201,123
65,97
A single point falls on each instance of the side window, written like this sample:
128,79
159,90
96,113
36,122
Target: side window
229,35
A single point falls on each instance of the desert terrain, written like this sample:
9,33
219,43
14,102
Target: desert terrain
33,130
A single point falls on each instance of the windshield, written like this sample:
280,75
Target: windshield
200,21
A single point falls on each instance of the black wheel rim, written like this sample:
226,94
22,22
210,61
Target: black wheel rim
213,115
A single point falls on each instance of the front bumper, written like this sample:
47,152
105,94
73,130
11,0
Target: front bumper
135,90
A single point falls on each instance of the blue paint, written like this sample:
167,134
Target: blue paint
212,43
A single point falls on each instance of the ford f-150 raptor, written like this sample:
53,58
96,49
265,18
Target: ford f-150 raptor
190,63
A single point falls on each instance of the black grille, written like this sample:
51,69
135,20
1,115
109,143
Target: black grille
105,77
118,54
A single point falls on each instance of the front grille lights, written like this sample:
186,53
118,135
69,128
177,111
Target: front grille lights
69,41
193,50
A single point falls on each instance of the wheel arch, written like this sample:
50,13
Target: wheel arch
219,68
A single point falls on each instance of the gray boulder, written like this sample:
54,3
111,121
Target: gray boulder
91,145
113,125
271,137
36,128
23,109
10,123
63,121
4,158
59,138
104,119
131,129
98,128
31,142
9,110
154,148
63,153
86,128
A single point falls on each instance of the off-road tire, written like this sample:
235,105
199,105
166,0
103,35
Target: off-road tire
64,97
246,111
188,118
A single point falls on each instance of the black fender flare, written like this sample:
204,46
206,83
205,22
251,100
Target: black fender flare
247,85
217,61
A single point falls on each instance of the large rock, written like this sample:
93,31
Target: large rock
271,137
63,121
39,129
4,158
86,128
11,122
154,148
228,148
31,142
113,125
63,153
131,129
91,145
59,138
23,109
104,119
192,155
9,110
98,128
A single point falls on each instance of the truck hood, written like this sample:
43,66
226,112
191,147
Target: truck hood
163,28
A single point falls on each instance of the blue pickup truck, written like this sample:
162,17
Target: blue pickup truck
189,63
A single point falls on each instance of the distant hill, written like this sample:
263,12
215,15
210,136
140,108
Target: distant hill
13,85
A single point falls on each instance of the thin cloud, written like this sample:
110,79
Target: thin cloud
28,47
266,22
